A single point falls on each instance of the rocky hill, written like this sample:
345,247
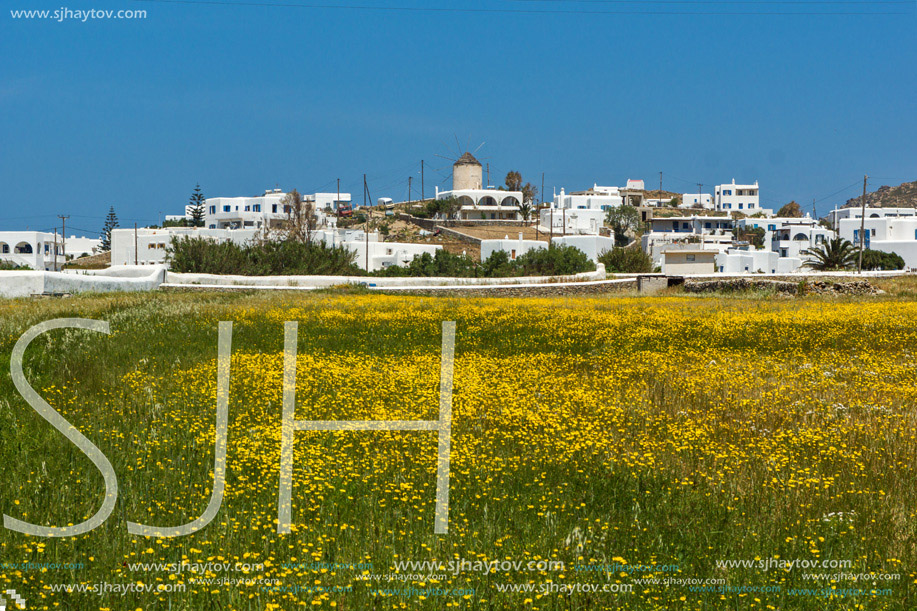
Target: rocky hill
902,196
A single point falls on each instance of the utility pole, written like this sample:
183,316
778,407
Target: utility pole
814,214
368,217
55,249
423,193
542,188
488,173
63,234
564,219
862,226
660,185
135,245
700,197
337,204
410,178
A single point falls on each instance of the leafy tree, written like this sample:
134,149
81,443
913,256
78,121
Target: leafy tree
514,183
301,220
498,265
197,207
626,261
111,222
752,235
876,259
836,253
790,210
623,219
554,261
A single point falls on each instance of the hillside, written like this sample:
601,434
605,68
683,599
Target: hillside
902,196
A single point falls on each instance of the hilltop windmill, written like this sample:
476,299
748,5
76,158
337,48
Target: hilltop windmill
467,170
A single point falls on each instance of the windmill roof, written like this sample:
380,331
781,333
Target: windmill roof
467,159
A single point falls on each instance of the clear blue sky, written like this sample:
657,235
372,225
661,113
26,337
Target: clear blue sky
133,113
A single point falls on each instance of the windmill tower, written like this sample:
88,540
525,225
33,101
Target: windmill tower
467,173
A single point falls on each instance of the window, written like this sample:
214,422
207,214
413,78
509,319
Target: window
741,206
257,207
274,208
213,209
872,232
751,206
227,208
707,225
248,208
689,258
772,228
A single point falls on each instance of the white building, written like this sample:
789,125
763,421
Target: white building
596,198
514,248
75,247
706,232
593,245
146,246
897,234
576,221
265,211
739,198
485,204
749,260
328,201
687,259
37,250
871,213
788,236
696,200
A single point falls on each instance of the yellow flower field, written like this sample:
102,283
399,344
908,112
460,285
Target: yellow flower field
607,453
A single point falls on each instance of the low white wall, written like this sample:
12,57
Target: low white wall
176,279
23,284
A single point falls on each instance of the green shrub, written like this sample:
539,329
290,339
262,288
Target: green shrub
269,258
554,261
626,261
9,266
878,260
443,263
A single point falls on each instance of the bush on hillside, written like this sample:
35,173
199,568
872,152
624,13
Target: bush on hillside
268,258
626,261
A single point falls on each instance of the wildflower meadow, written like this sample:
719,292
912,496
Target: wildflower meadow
686,453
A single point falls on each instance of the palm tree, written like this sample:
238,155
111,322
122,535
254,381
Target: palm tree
836,253
525,210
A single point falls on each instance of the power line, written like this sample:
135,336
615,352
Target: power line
437,9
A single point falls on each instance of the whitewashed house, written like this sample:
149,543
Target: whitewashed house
75,247
708,232
267,210
739,198
696,200
897,234
576,221
749,260
37,250
837,215
596,198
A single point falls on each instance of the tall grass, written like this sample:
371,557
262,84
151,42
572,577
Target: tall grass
674,431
